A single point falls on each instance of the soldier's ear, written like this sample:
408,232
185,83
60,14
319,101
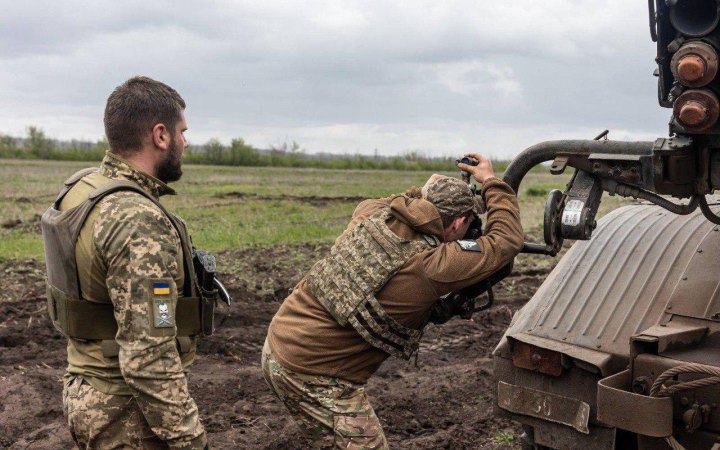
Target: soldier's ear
161,136
459,223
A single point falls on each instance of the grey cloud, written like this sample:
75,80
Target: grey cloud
354,70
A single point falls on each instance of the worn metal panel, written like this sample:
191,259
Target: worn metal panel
555,408
576,384
700,277
620,282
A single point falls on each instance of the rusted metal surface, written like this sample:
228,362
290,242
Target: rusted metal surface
619,407
691,69
693,113
532,357
697,109
574,382
695,64
603,363
620,282
552,407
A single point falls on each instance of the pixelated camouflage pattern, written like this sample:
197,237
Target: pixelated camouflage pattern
116,168
452,197
138,245
359,264
330,412
101,421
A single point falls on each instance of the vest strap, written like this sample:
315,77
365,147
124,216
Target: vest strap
80,174
70,182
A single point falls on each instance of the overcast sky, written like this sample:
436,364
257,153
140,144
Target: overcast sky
440,77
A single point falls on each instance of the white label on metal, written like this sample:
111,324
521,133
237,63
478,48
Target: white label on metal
573,211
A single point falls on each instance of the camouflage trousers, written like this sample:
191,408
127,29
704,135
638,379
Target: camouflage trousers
103,421
330,412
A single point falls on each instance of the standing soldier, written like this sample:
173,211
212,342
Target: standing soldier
121,283
371,297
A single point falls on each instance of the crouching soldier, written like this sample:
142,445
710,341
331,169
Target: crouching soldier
371,297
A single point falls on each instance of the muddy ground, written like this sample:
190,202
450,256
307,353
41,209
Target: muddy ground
445,402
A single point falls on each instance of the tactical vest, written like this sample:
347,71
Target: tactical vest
81,319
358,266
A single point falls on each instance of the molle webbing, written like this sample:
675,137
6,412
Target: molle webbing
359,265
82,319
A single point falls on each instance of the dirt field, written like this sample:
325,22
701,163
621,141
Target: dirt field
266,226
443,403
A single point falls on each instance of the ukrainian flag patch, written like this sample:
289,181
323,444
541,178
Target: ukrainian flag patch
161,288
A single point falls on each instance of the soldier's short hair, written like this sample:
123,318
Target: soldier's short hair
135,107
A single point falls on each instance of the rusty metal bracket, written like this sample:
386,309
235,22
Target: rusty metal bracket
558,166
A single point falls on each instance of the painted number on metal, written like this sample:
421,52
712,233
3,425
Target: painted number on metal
544,405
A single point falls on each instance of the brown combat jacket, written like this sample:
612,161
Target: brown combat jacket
127,243
305,338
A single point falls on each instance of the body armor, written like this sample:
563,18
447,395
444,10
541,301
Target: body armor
78,318
359,265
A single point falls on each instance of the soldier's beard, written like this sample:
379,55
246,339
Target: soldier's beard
171,168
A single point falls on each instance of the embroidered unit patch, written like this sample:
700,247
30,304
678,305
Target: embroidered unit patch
161,288
469,246
162,312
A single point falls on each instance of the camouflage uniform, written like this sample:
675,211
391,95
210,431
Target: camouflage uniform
137,397
331,412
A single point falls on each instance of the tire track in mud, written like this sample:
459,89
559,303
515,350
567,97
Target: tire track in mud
313,200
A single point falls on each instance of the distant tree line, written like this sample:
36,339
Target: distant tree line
239,153
37,146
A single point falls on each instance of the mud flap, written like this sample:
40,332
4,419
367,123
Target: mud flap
542,405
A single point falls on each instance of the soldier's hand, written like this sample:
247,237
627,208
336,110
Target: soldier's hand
482,171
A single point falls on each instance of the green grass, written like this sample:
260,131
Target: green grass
542,189
504,437
230,207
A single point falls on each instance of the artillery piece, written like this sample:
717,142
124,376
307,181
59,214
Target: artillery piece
620,346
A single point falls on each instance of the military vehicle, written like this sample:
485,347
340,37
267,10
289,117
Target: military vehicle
620,346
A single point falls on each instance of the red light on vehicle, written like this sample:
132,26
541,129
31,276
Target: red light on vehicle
530,357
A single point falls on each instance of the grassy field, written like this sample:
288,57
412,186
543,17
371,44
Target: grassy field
231,207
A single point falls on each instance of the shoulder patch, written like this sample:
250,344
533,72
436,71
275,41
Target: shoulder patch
162,313
469,246
163,306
